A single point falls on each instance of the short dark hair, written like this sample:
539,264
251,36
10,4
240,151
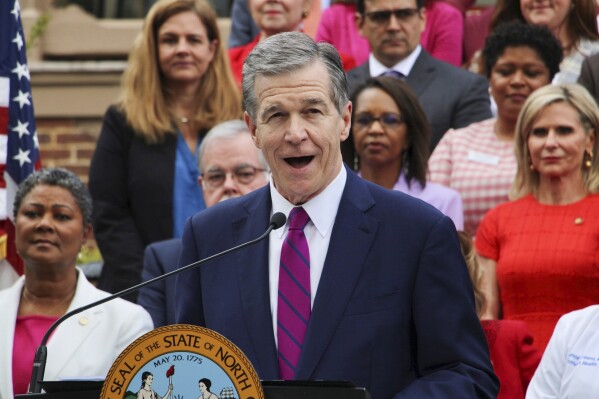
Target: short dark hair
518,34
144,377
417,127
206,382
57,177
361,6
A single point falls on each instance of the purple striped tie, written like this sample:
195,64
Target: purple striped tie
293,309
393,74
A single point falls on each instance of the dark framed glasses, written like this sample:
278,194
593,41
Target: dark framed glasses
389,120
244,174
383,17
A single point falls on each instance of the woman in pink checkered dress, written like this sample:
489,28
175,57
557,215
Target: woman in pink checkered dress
478,160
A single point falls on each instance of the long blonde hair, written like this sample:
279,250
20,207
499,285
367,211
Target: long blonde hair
527,180
144,98
474,270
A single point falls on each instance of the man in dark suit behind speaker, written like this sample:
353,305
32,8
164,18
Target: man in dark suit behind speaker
230,166
451,97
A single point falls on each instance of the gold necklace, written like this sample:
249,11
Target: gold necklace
50,312
184,119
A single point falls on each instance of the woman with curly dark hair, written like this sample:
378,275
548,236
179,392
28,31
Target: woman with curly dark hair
478,160
573,23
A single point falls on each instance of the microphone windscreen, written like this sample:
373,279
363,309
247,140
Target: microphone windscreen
278,220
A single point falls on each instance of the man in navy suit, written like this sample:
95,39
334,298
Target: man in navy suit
230,166
451,97
391,301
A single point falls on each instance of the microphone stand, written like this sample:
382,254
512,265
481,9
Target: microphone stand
39,362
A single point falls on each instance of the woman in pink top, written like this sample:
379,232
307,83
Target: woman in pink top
390,135
478,160
52,213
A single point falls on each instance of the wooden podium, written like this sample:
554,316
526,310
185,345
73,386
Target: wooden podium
272,390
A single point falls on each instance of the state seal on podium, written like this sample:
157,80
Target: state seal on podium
182,361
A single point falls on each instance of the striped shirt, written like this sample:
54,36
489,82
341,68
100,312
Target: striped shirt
474,162
569,69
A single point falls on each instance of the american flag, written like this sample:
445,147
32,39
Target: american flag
19,148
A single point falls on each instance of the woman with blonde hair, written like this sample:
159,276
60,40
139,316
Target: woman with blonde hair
144,172
539,251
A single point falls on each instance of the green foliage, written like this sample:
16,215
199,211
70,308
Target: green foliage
37,30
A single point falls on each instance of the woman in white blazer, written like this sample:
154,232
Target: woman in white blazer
52,212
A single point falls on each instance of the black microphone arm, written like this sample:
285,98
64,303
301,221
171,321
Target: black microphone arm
39,362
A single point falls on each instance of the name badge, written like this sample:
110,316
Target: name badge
483,158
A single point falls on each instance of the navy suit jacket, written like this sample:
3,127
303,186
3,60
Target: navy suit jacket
159,298
394,308
451,97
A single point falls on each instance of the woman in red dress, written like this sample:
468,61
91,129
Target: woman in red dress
539,252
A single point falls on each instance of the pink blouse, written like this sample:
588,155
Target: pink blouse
29,331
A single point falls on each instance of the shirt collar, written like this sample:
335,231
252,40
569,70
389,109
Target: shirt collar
322,209
404,66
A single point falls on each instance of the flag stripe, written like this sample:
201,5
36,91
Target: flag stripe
19,152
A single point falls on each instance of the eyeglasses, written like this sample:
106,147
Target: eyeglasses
388,120
243,174
383,17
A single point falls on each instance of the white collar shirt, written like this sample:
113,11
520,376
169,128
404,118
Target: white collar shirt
322,210
404,66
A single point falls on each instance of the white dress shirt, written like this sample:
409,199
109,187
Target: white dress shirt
404,66
322,210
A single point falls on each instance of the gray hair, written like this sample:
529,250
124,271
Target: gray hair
225,130
61,178
288,52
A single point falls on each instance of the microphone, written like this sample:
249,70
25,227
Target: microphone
39,362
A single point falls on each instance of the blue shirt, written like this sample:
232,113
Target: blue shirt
187,193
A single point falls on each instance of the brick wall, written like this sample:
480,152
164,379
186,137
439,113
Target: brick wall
68,143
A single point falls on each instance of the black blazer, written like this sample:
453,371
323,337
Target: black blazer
131,183
451,97
589,75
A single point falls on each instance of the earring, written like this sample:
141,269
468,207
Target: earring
305,14
589,159
405,163
532,167
356,162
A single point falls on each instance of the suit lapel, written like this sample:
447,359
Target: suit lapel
422,73
69,336
9,298
253,283
357,76
352,236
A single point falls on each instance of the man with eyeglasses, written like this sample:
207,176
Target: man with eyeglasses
230,166
230,163
451,97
